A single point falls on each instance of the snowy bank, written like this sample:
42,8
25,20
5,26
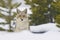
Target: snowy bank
44,28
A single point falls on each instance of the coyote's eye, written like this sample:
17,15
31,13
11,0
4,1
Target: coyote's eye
23,15
19,15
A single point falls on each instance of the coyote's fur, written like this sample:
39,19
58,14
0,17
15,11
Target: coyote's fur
22,22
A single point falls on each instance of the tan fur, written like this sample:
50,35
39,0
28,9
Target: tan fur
22,22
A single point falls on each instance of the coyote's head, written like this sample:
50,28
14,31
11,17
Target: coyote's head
22,14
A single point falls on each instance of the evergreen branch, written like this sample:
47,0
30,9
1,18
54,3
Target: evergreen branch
4,10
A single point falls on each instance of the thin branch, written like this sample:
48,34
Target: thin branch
4,10
3,23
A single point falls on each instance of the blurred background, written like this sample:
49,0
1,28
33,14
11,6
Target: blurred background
40,12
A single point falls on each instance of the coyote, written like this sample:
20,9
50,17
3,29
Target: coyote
22,22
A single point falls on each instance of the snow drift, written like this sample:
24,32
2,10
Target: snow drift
44,28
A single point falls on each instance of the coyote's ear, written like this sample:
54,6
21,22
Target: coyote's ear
25,11
18,11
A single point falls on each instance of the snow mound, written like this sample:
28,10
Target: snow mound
44,28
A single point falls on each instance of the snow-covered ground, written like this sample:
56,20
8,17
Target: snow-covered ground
27,35
51,34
